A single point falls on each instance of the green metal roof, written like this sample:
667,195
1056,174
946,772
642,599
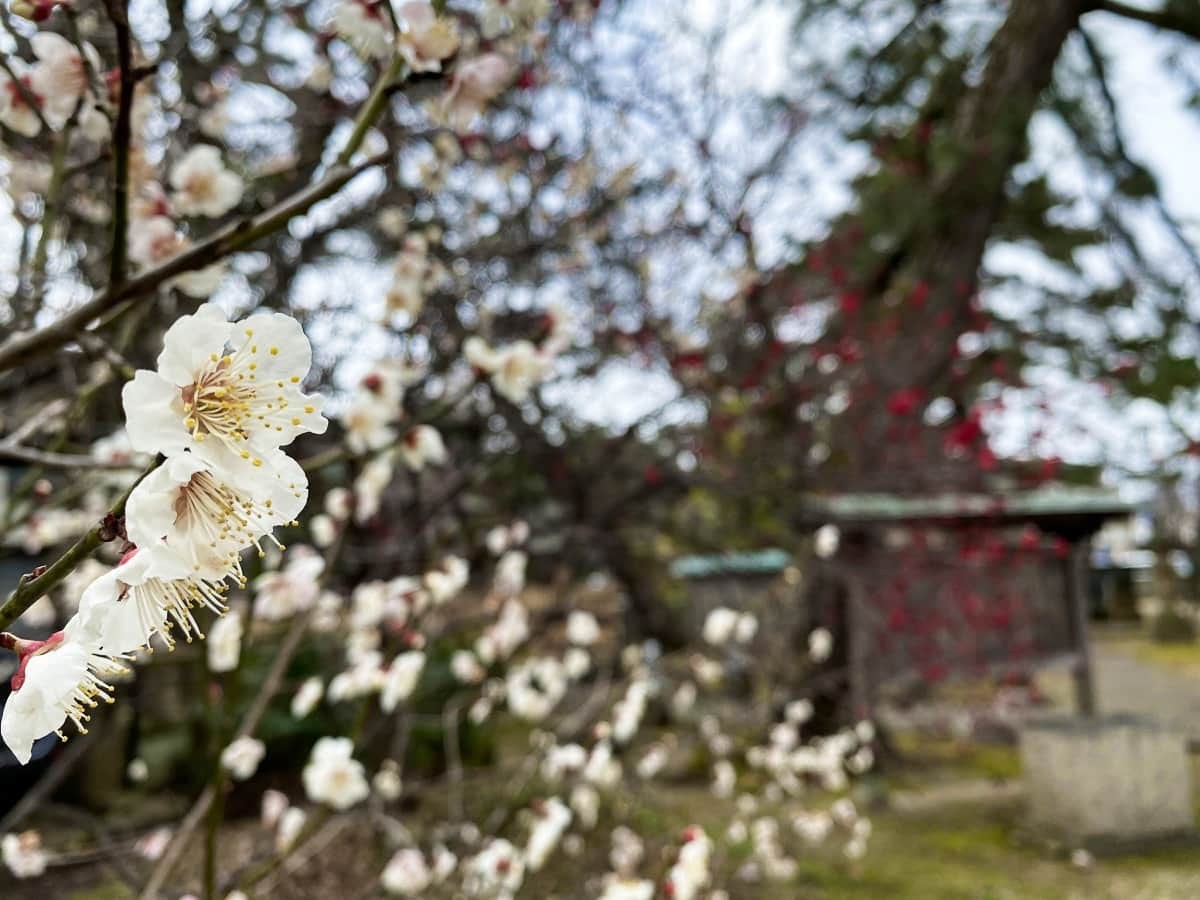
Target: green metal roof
1042,502
759,562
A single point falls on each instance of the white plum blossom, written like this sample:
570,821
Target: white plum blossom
15,112
23,854
225,643
291,823
228,392
426,38
407,874
473,85
156,240
401,679
820,645
202,184
582,628
387,782
363,25
496,871
274,805
690,873
618,888
307,697
514,369
553,817
422,446
149,593
585,802
332,776
534,687
724,625
295,587
364,677
825,542
465,667
57,679
508,580
445,581
206,514
241,758
60,77
411,276
370,485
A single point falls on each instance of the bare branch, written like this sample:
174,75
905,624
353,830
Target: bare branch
236,236
1166,19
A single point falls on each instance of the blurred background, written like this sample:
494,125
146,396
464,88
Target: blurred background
871,317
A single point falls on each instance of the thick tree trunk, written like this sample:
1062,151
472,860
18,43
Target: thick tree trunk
966,190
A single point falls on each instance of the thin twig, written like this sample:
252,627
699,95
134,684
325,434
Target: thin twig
237,236
118,12
29,589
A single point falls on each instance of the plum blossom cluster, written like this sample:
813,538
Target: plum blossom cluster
225,400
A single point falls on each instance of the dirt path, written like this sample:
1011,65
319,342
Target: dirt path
1128,683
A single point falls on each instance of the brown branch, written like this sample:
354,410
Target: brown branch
249,724
51,460
21,348
119,14
1166,19
30,588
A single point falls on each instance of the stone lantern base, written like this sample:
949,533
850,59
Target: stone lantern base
1107,783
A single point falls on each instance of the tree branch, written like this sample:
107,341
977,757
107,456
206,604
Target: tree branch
1166,19
21,348
118,13
30,589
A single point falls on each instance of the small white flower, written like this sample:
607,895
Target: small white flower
690,873
202,184
291,823
446,580
224,406
427,38
553,817
370,485
56,679
155,240
60,77
241,758
307,697
535,687
719,626
147,594
387,782
423,446
332,776
295,587
496,871
618,888
274,805
14,111
206,515
509,577
225,643
401,679
519,368
582,628
820,645
407,873
23,854
825,543
465,667
362,25
473,85
137,771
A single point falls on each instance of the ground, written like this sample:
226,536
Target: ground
950,827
